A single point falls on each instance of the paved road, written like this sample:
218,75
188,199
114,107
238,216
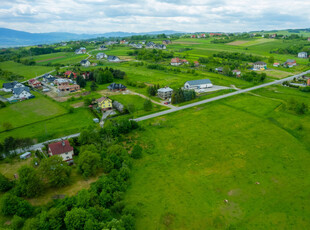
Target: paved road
40,145
218,97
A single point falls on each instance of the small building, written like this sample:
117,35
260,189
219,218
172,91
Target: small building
85,63
184,61
193,36
276,64
196,63
166,42
8,87
165,93
101,55
70,74
150,45
198,84
104,103
34,83
25,156
302,54
160,47
113,59
236,72
219,69
63,149
259,65
176,61
96,120
290,63
22,93
81,50
116,87
103,47
48,78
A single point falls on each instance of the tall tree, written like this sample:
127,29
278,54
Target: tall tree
88,163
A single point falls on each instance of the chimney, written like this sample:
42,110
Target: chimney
63,143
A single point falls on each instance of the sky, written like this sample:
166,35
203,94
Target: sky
100,16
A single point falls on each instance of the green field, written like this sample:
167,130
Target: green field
27,72
197,158
30,111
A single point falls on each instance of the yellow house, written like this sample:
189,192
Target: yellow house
104,103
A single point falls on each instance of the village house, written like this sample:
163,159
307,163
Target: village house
166,42
273,36
66,87
111,43
123,42
22,93
198,84
196,63
104,103
219,69
116,87
236,72
150,45
81,50
70,74
276,64
85,63
259,65
160,47
63,149
176,62
48,78
113,59
34,83
290,63
193,36
103,47
184,61
165,93
8,87
302,54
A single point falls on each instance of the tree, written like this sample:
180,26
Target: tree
136,152
29,183
271,59
31,224
76,219
93,86
13,205
88,163
83,199
81,81
55,171
17,222
148,106
131,108
107,165
5,183
226,70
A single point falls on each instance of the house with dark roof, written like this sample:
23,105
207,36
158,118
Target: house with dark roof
85,63
63,149
113,59
101,55
290,63
103,47
22,93
198,84
117,87
8,87
48,78
81,50
150,45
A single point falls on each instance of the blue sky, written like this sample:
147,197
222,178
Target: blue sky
99,16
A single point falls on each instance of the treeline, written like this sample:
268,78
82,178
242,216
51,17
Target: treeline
180,95
223,40
102,206
10,143
152,90
293,49
9,76
150,54
238,56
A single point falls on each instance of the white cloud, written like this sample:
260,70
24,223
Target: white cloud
97,16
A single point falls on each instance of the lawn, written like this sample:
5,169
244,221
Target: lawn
30,111
27,72
246,149
138,103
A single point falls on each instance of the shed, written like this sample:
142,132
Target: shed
25,156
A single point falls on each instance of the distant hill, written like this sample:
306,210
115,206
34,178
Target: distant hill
12,38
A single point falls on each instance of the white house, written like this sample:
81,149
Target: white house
63,149
176,61
198,84
101,55
303,55
22,93
85,63
259,65
165,93
81,50
113,59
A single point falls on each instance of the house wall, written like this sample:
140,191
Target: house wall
175,64
67,156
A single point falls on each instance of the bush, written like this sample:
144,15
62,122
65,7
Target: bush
5,183
148,106
17,222
136,152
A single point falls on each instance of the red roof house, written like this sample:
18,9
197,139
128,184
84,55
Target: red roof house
176,61
68,74
62,148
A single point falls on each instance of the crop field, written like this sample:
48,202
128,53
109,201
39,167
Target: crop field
248,150
30,111
27,71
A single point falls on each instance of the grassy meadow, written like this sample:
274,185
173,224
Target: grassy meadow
248,150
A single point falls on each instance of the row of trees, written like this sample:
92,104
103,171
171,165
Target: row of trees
152,90
238,56
180,95
10,143
151,54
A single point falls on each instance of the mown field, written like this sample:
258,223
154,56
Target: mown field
248,150
30,111
27,72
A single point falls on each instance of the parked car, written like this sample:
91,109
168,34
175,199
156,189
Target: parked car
167,102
